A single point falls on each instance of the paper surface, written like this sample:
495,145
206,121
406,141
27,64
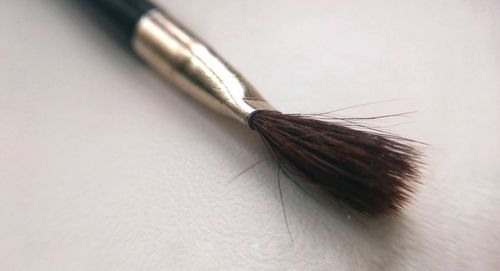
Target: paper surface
103,166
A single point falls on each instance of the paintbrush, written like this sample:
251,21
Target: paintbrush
373,172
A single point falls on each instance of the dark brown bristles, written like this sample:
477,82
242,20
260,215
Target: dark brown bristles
374,173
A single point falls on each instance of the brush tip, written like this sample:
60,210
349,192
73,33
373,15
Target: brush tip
373,172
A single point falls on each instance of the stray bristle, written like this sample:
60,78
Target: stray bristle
374,173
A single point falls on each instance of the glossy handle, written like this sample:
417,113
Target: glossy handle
125,14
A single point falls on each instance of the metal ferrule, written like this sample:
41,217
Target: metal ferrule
191,65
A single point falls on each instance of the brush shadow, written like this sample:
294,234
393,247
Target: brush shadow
376,239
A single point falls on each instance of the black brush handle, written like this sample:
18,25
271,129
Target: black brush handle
124,14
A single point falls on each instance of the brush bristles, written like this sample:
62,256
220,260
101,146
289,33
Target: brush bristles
372,172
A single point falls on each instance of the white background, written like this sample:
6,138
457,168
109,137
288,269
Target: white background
103,166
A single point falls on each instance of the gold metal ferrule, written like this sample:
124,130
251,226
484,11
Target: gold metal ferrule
191,65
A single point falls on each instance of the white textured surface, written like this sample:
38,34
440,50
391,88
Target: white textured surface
104,167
